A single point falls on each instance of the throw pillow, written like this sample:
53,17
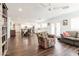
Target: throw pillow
66,34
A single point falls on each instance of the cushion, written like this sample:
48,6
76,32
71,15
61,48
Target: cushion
78,35
72,38
66,34
72,33
43,34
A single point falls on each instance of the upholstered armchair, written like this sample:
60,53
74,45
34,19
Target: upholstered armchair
45,40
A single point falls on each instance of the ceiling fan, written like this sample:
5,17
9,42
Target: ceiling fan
50,6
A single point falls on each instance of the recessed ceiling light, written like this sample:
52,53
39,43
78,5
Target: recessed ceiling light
39,18
20,9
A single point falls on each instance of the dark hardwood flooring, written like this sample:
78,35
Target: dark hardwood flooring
19,46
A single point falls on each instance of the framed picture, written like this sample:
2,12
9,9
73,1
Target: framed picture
65,22
48,24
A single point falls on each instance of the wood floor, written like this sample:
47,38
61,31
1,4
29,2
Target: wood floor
19,46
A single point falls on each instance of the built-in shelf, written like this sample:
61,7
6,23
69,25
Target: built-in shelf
5,52
4,34
3,15
4,42
3,28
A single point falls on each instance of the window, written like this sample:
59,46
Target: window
52,28
43,25
57,29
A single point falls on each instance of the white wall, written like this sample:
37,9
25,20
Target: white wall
75,24
61,18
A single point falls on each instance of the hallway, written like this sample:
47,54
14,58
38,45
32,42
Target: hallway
19,46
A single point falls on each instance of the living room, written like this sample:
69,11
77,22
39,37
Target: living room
40,29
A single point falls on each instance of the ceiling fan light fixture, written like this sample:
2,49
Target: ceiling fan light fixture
65,7
49,9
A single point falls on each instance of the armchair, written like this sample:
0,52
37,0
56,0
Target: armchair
45,40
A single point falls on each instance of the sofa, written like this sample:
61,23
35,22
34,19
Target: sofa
45,40
71,38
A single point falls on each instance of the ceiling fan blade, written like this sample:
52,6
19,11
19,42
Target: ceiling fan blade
43,5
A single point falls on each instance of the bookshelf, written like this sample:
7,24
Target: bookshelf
3,29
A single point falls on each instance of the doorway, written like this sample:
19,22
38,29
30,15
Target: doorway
57,29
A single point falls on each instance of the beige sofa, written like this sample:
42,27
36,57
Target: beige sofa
45,40
73,39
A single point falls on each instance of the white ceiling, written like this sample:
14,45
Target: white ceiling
38,12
